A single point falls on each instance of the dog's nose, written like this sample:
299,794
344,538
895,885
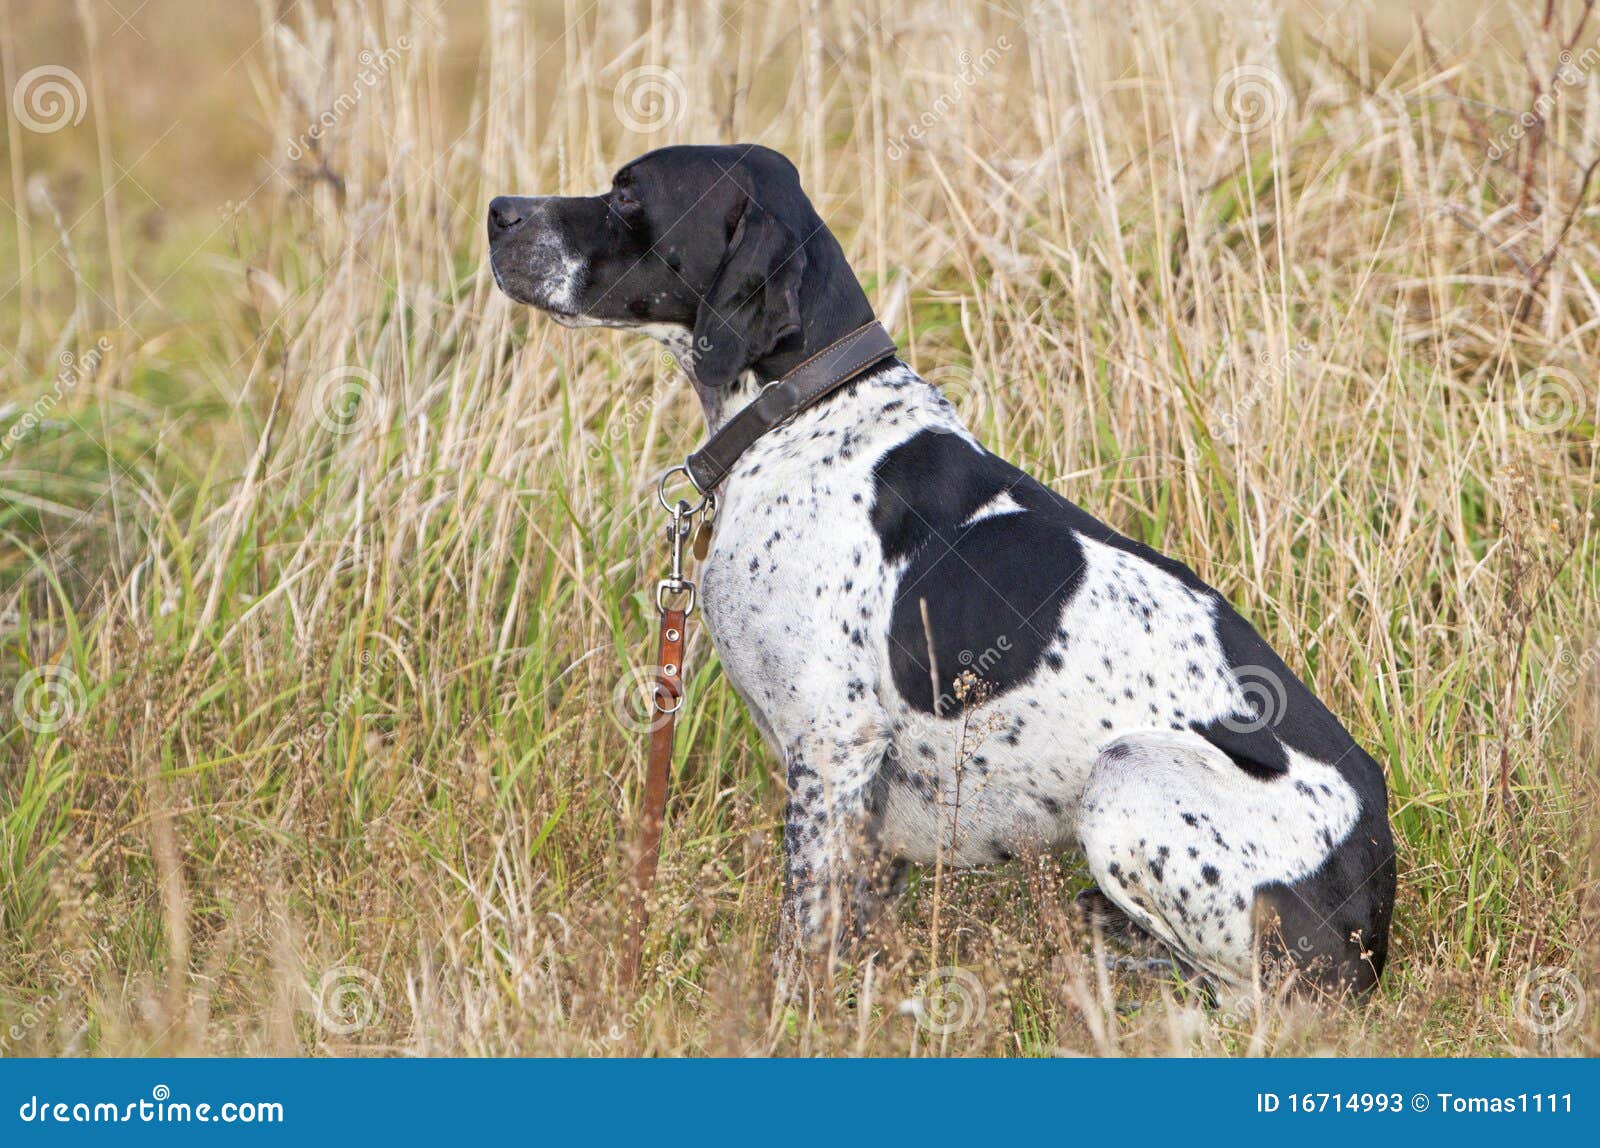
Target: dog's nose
504,214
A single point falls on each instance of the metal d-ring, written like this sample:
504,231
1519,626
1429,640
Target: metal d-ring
661,491
667,709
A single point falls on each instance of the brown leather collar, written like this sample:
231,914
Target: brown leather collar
809,383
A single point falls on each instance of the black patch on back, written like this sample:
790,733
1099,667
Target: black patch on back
994,589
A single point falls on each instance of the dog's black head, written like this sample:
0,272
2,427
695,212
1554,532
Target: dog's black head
719,243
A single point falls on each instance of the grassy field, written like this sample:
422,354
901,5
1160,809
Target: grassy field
324,569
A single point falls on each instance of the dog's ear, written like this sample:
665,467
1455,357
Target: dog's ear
754,301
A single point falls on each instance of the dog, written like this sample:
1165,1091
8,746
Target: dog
880,586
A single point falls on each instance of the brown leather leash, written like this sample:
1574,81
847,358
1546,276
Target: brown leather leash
806,385
665,702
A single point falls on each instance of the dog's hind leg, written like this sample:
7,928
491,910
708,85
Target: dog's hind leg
1208,858
1138,946
1154,865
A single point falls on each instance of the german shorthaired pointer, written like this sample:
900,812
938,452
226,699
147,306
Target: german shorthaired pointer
950,657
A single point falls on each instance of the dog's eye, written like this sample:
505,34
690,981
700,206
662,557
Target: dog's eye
623,198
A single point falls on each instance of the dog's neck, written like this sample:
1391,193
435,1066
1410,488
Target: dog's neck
719,404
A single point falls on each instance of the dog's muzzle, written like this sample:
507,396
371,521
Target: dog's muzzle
528,255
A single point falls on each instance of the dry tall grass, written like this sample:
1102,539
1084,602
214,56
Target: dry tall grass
321,563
